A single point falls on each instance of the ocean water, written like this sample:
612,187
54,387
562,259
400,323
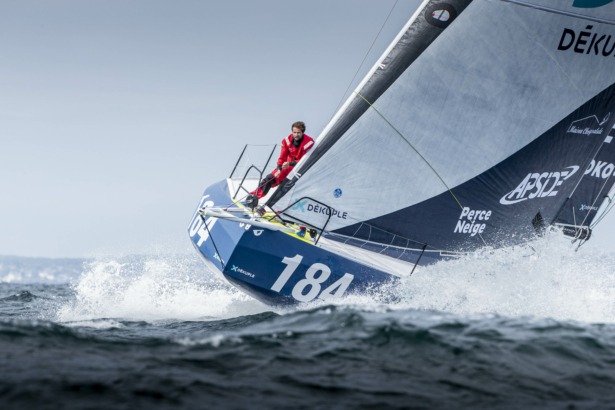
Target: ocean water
526,328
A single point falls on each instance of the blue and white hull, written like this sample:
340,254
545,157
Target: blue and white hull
278,268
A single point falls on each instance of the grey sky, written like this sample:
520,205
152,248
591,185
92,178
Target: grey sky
115,115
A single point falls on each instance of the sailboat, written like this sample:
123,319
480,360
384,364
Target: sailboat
483,124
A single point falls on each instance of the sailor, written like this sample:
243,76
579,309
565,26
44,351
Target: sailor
294,147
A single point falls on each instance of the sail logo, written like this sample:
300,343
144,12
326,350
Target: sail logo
599,44
468,224
590,4
300,205
587,126
319,209
440,15
324,210
588,208
600,169
536,185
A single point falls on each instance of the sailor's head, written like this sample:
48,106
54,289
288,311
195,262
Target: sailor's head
298,129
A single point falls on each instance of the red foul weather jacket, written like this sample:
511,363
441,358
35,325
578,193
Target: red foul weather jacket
290,153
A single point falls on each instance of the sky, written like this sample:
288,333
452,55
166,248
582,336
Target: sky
115,116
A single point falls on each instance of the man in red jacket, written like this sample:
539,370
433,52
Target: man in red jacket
294,147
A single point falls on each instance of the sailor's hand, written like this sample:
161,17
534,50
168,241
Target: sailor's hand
276,173
285,165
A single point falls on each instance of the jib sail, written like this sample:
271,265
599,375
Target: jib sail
506,105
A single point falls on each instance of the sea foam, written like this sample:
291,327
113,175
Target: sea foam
154,287
544,279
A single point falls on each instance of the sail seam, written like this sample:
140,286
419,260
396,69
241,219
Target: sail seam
558,64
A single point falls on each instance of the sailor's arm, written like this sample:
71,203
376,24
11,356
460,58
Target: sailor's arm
294,162
283,155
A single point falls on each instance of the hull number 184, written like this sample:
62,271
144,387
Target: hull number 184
309,288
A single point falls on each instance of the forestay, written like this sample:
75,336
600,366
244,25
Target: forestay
509,104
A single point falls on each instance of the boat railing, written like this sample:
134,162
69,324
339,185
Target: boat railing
322,230
245,164
580,232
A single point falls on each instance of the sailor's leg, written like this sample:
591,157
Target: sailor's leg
263,188
265,185
282,176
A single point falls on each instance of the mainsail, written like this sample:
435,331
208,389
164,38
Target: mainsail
506,104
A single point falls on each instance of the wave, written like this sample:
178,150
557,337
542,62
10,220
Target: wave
18,269
544,279
154,287
23,296
529,327
395,356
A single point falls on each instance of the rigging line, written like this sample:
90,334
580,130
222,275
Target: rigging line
598,196
378,243
361,65
407,244
562,12
608,207
412,146
389,245
606,210
419,154
261,145
604,214
418,260
212,241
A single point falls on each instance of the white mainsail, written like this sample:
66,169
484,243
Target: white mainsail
491,83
